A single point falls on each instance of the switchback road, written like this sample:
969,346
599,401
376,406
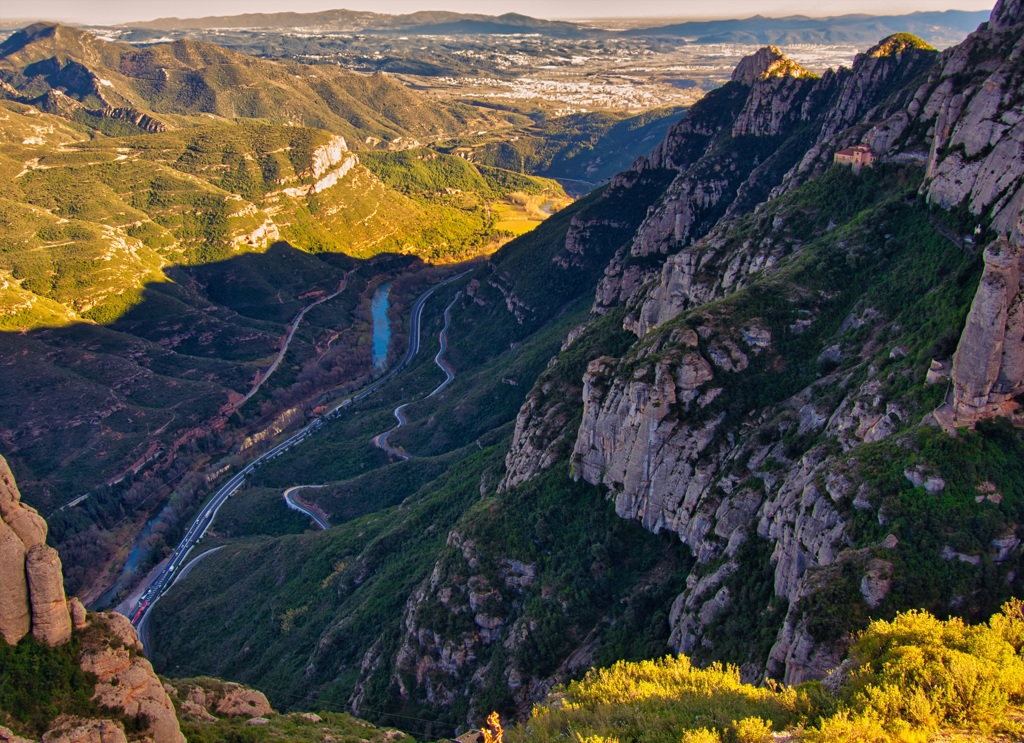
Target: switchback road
202,522
381,439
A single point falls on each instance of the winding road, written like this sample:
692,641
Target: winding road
288,339
381,439
295,504
163,581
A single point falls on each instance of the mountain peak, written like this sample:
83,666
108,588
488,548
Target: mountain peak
896,44
24,37
1007,13
766,62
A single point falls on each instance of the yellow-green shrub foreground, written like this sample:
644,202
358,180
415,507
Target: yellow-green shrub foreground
911,680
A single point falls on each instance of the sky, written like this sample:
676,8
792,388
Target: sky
119,11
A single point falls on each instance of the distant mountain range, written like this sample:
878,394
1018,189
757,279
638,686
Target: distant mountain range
428,22
938,28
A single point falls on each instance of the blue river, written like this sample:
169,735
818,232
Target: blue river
381,325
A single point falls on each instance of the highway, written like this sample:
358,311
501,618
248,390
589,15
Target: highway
202,522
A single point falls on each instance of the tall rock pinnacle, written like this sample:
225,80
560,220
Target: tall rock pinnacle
31,584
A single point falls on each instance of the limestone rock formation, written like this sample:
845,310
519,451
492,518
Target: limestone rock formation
205,698
977,152
236,700
26,523
6,736
729,160
1007,13
988,368
31,584
51,620
766,63
15,614
32,599
125,679
86,731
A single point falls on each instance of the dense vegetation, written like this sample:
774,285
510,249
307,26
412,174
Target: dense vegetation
906,681
38,683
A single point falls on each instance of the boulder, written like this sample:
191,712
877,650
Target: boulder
7,736
239,701
79,617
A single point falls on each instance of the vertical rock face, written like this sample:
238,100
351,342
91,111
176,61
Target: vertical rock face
770,127
977,151
651,429
31,584
15,616
51,620
1007,13
26,523
988,368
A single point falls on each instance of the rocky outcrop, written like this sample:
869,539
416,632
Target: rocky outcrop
74,730
204,698
764,64
142,120
7,736
236,700
26,523
31,584
125,679
770,128
267,232
976,156
988,368
15,612
540,436
708,270
1007,14
32,599
328,165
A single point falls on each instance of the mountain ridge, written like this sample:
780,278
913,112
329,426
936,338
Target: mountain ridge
940,28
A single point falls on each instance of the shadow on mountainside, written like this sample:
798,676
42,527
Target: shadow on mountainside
158,388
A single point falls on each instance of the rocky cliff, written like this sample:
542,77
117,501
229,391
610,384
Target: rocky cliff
766,387
31,585
740,143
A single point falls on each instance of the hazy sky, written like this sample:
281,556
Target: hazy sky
116,11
